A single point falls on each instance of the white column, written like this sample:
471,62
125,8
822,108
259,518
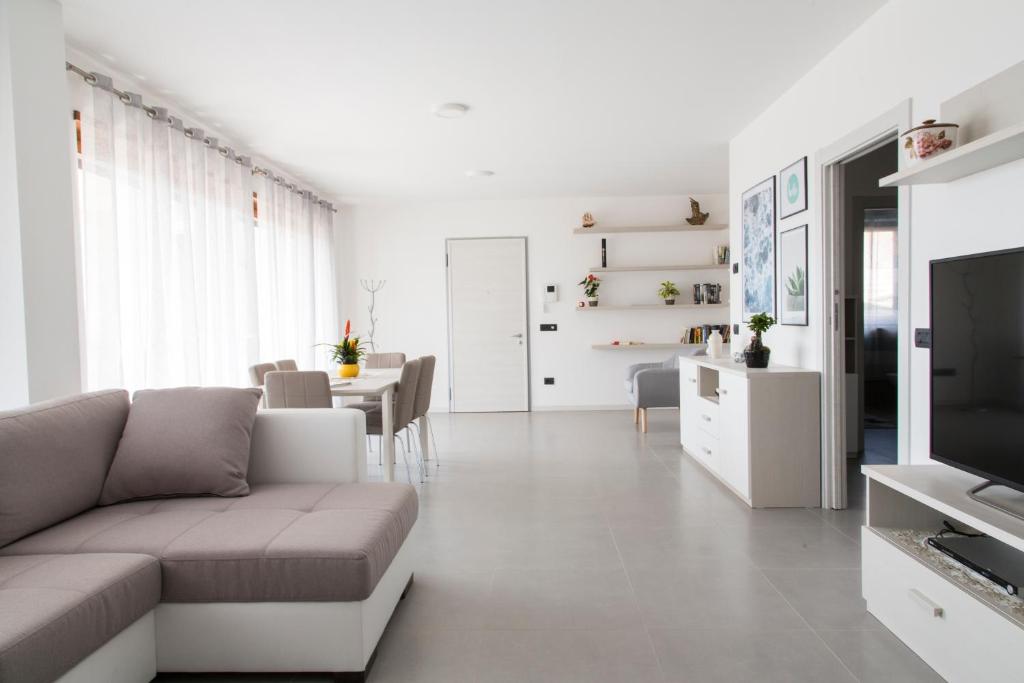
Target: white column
39,329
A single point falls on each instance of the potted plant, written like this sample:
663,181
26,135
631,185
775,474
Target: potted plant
668,292
590,284
757,353
347,353
795,290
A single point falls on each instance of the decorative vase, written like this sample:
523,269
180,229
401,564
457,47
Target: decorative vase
348,370
715,344
592,301
757,353
670,302
929,140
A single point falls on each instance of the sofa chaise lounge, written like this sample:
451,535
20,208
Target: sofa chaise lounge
301,575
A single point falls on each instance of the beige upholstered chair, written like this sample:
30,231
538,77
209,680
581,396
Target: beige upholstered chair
298,389
258,371
394,359
287,365
404,402
424,388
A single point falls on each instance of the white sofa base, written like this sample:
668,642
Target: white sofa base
128,657
243,637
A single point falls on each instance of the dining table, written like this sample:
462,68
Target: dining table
377,382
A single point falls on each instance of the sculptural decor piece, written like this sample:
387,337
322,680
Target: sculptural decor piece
697,218
588,220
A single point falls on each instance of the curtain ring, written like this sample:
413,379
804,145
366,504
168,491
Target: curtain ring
125,98
90,78
150,112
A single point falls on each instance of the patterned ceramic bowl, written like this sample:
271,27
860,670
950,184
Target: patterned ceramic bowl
928,141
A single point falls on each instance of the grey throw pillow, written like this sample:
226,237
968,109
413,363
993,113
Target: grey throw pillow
189,441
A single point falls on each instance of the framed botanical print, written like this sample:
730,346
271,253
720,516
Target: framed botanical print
758,209
793,276
793,189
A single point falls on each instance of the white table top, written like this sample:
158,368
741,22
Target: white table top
369,383
728,365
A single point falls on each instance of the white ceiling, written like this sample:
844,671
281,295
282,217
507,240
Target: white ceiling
568,97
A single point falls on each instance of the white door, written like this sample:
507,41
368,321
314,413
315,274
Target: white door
733,414
487,325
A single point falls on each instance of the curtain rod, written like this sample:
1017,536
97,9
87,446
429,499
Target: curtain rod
160,114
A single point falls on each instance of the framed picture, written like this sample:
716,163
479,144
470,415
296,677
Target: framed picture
793,189
793,276
759,249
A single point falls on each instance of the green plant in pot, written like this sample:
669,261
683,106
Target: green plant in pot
668,292
757,353
590,285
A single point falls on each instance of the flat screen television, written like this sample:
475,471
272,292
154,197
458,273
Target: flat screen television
977,365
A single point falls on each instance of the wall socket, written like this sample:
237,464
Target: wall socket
549,380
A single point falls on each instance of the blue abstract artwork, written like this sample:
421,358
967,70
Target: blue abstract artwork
759,249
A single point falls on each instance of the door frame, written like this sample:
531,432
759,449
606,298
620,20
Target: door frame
526,305
829,169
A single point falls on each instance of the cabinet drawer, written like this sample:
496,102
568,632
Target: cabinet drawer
706,415
704,447
956,634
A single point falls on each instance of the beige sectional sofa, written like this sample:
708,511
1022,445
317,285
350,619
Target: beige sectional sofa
300,575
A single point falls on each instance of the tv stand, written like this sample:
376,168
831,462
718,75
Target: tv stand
1013,505
964,626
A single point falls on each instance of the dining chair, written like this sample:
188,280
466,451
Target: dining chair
404,402
377,361
258,372
287,365
298,389
424,389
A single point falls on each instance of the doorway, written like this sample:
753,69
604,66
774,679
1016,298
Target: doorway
488,340
865,396
871,306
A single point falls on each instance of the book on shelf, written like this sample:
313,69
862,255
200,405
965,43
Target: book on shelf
701,333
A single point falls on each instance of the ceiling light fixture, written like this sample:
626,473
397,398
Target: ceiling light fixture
451,110
479,173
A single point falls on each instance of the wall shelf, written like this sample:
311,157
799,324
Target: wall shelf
608,230
651,307
637,269
993,150
654,346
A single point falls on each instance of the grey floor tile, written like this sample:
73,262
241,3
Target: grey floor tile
427,656
826,598
731,656
879,657
711,595
815,547
618,656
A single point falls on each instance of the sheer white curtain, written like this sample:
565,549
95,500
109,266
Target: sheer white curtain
178,286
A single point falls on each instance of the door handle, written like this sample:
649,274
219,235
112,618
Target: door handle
706,418
691,380
517,336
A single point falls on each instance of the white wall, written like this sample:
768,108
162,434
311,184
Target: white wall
925,50
405,244
39,332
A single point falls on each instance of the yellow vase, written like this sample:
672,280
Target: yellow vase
348,370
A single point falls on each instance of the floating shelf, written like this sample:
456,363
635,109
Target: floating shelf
707,227
642,347
993,150
651,307
636,269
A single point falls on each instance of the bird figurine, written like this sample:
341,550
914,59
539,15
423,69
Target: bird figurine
588,220
697,218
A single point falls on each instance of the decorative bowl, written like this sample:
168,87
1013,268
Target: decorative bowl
928,141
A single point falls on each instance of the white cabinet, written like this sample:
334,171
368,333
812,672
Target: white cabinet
758,431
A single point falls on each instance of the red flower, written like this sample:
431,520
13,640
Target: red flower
348,327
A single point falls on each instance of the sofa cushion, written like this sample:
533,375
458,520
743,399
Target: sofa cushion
54,457
283,542
55,610
184,442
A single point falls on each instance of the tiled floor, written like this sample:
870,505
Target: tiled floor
566,547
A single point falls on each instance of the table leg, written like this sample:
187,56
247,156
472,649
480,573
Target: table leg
424,437
387,445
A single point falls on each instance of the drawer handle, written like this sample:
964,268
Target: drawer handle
691,380
926,602
706,418
706,450
723,392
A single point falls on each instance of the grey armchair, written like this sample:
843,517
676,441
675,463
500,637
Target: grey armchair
652,385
